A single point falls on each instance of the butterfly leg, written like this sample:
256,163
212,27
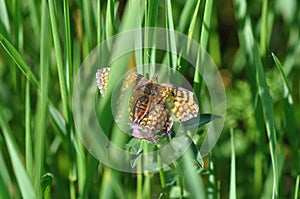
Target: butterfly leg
151,137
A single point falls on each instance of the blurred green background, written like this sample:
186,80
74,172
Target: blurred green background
255,44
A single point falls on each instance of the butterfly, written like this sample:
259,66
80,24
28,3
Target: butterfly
152,107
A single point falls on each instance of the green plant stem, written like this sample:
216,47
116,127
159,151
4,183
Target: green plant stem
139,185
162,178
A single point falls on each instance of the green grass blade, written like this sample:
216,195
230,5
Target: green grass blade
297,187
264,28
259,86
69,64
289,110
232,191
4,16
193,181
184,19
268,190
211,190
109,23
205,30
99,24
89,170
4,179
192,24
34,18
214,38
25,69
40,131
22,177
17,58
59,61
288,91
87,22
268,113
152,12
28,132
170,37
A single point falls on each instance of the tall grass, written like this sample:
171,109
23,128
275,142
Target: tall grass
256,44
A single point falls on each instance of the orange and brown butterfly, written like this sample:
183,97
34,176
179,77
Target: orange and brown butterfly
152,106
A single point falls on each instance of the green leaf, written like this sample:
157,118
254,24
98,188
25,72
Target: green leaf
199,121
22,177
46,183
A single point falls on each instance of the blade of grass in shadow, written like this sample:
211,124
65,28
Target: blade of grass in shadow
232,190
4,179
193,180
40,131
22,177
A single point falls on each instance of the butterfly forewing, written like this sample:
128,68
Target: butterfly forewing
180,101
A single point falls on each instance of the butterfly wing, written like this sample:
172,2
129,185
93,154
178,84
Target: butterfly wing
180,102
102,75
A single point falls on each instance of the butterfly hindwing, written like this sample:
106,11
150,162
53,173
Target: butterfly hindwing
102,76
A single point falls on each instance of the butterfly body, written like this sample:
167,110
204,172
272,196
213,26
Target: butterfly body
152,106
